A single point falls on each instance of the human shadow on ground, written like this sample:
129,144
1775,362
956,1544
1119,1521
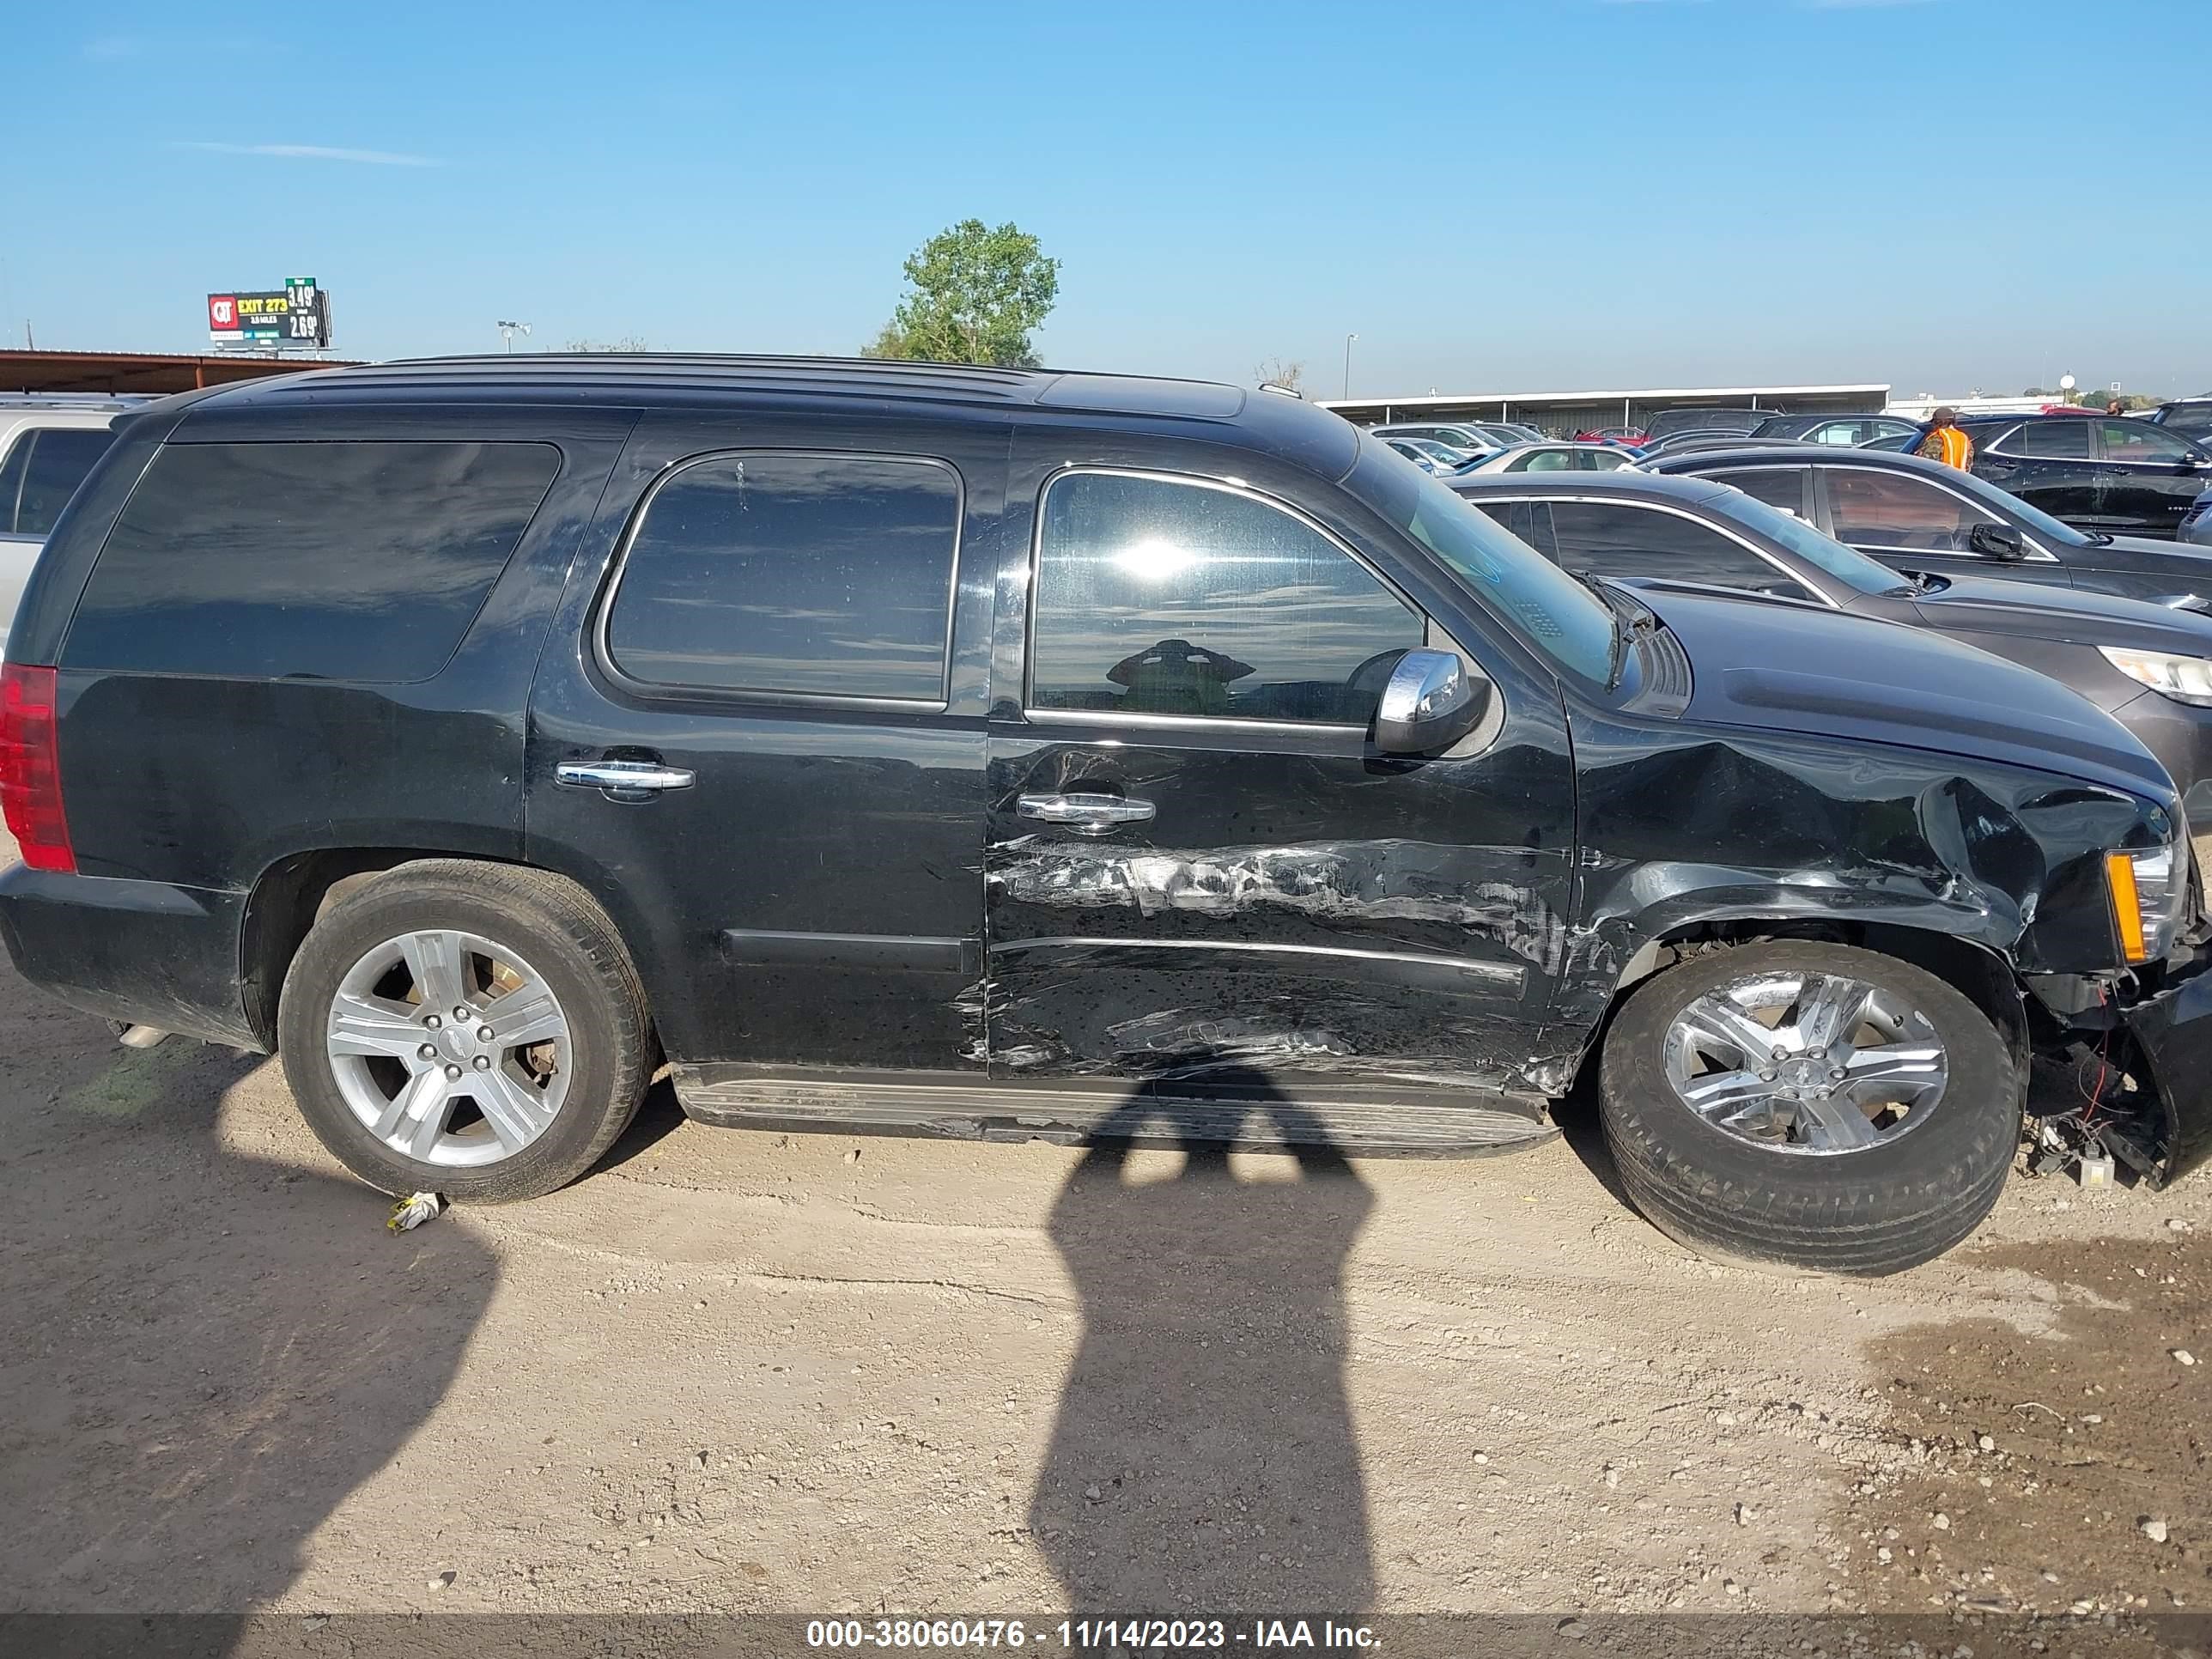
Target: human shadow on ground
209,1351
1204,1457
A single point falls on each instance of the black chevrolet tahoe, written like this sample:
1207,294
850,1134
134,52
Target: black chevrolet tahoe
1016,755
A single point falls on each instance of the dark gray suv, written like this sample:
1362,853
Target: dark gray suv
1748,526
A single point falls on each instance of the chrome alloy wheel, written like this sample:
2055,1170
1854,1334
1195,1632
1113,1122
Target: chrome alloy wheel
450,1048
1813,1063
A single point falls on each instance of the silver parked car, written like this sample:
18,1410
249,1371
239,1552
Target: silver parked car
1430,455
1553,458
47,444
1459,434
1478,436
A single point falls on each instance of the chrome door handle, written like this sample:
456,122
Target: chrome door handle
624,780
1087,815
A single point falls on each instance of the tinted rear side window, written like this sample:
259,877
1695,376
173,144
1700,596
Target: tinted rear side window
1782,487
2065,438
1623,539
806,574
363,561
57,463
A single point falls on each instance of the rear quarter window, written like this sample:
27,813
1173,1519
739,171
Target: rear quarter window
363,562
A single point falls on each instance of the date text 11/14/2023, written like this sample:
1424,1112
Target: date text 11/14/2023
1085,1633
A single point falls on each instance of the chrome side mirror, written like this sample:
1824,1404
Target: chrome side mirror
1431,700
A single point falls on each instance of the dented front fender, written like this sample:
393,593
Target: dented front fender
1705,827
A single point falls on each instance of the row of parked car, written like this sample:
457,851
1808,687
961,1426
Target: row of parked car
1009,755
2149,475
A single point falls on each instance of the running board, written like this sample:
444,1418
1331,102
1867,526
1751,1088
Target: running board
1431,1122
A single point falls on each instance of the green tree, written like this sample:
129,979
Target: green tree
975,295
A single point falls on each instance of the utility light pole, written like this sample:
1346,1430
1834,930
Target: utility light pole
1348,339
507,331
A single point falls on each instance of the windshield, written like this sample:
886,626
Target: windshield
1846,564
1548,608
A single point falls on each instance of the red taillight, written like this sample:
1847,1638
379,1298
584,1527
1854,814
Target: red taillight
31,767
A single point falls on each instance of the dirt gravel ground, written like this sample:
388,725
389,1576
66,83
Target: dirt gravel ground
736,1372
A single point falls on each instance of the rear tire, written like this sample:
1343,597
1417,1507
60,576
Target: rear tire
1918,1187
517,1119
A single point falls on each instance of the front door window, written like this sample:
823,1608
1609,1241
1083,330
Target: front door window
2140,443
1894,513
1156,596
1610,538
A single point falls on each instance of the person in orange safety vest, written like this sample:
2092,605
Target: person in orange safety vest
1945,442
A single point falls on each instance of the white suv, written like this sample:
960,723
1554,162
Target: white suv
47,444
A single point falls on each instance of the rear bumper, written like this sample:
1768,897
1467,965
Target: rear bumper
144,952
2172,1032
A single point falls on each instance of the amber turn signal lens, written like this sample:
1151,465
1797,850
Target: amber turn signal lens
2127,906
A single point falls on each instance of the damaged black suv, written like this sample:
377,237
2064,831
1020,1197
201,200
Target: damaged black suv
1009,755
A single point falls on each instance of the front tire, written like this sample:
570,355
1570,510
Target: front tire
1810,1105
473,1029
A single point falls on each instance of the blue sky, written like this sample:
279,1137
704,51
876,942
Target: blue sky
1494,194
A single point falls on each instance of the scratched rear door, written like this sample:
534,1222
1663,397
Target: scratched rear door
1197,863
